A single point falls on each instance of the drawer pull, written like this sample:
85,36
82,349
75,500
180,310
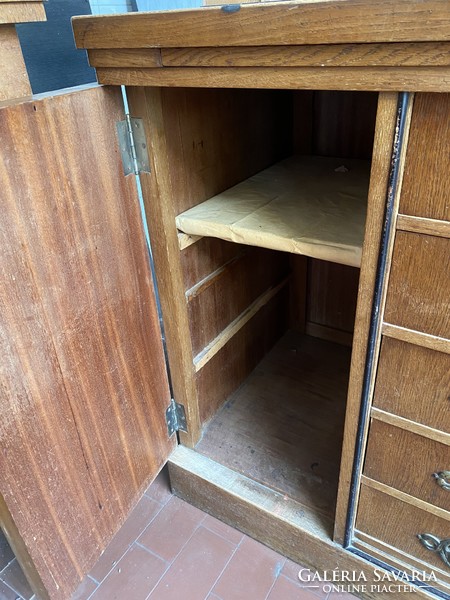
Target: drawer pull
441,547
443,479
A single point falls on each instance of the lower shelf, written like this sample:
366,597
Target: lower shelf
283,426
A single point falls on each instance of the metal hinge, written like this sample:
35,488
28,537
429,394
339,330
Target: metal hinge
133,146
175,418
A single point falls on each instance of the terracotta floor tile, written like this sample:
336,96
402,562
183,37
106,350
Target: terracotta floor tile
251,572
172,528
6,593
285,589
141,516
133,578
196,568
160,490
232,535
6,554
14,577
84,590
291,571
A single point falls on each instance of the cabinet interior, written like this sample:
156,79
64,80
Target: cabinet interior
270,330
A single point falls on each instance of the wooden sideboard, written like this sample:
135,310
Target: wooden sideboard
297,202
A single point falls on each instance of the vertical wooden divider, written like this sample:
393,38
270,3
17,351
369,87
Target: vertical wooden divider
379,180
147,104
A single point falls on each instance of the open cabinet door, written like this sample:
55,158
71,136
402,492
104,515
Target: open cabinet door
84,386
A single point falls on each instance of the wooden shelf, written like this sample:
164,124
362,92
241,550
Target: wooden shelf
304,205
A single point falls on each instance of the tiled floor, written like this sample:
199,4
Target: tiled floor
201,559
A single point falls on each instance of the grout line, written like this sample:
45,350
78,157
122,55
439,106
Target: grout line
18,596
7,565
277,576
170,563
128,547
152,552
222,536
225,567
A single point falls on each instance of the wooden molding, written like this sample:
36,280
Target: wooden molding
422,54
432,342
423,430
271,24
423,225
421,79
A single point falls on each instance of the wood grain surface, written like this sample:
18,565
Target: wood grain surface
14,82
332,294
426,187
397,523
386,79
414,383
233,289
22,11
406,461
160,188
84,383
419,286
286,526
225,372
331,55
381,161
283,426
424,225
268,24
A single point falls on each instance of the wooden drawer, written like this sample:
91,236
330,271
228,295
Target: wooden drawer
406,461
414,382
425,191
397,523
419,284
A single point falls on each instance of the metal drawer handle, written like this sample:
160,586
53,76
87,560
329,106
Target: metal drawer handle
441,547
443,479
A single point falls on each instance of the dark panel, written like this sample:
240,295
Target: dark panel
49,51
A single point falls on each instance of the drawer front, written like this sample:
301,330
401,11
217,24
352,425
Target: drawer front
426,187
407,461
398,524
418,295
414,382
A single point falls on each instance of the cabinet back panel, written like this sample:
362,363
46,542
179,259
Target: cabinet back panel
332,295
331,123
217,138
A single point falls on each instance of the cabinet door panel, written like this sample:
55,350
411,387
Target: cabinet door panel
83,380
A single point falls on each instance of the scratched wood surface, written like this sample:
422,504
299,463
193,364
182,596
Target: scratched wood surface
272,23
425,191
14,82
84,387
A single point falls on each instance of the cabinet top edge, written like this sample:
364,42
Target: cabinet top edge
270,24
